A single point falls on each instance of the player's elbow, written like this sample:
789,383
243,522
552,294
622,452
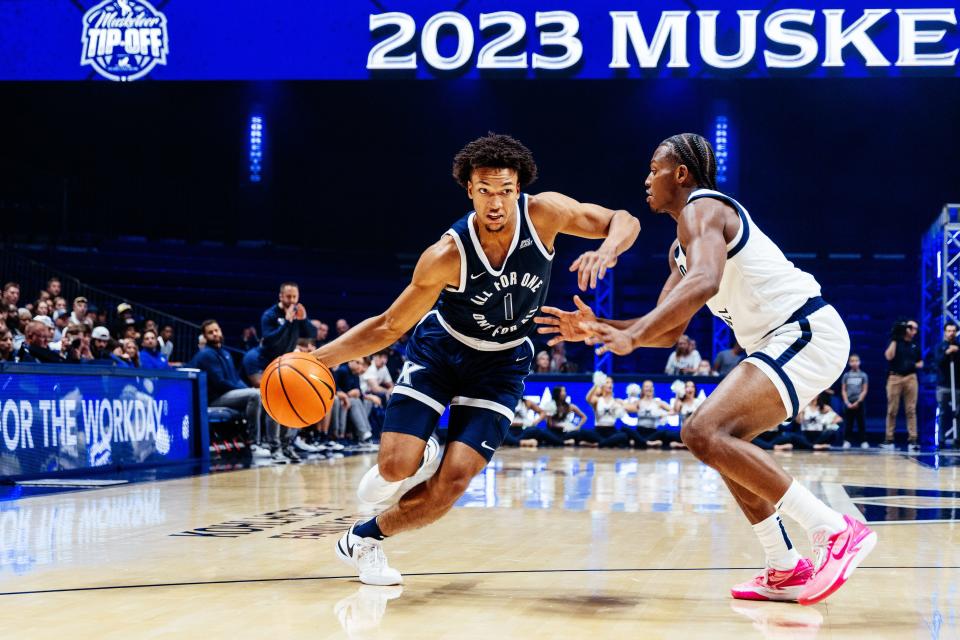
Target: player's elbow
391,325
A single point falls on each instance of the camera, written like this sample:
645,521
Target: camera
899,330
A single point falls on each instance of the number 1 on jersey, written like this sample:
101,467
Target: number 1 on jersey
508,307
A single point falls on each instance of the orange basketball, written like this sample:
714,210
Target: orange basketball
297,390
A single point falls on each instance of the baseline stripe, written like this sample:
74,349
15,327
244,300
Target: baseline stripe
806,334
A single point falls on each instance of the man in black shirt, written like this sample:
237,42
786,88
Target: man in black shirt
903,354
351,406
947,356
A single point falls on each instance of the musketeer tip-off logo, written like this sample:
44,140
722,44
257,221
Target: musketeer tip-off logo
124,40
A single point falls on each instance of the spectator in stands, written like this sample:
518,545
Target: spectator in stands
306,345
165,341
61,320
130,333
526,415
42,308
54,287
151,325
11,294
541,363
377,376
558,358
947,356
19,328
323,330
60,304
342,326
853,389
249,338
97,317
351,409
49,324
71,344
150,355
124,322
283,324
398,355
7,353
684,359
903,354
703,369
79,314
128,353
36,345
225,389
100,347
727,359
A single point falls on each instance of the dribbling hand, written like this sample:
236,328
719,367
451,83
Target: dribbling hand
565,323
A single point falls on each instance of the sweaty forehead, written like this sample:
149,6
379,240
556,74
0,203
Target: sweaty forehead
494,176
662,155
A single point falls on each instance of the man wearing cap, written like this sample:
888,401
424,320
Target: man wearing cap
100,348
79,315
35,347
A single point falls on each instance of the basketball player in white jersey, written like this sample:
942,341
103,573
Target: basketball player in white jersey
797,346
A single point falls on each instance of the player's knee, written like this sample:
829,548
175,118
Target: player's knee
395,467
699,435
454,485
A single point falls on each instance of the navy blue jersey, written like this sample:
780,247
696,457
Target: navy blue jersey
497,305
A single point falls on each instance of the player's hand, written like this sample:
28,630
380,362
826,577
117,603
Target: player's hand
610,339
565,323
291,312
592,266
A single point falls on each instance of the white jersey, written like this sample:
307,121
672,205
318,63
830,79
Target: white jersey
760,289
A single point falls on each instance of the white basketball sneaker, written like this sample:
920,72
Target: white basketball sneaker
374,489
366,556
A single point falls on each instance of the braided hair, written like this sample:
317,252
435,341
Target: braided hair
695,152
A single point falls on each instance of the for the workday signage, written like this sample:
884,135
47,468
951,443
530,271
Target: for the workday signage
128,40
53,422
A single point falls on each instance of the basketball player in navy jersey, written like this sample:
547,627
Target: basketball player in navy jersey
797,346
473,297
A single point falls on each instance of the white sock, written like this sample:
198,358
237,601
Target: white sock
780,552
808,510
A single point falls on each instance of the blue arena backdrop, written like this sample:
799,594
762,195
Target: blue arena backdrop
577,386
361,39
56,419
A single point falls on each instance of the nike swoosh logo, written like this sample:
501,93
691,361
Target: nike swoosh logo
845,537
486,446
474,277
521,359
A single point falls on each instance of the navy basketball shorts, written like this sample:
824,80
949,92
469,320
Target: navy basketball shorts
482,389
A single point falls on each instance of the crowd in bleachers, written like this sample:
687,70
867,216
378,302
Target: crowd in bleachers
50,329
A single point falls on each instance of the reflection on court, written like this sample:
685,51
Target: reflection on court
551,543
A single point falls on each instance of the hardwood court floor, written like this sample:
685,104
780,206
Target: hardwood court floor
546,544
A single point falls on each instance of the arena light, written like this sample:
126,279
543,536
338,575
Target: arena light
721,147
255,154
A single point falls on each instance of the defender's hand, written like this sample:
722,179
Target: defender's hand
609,339
565,323
592,266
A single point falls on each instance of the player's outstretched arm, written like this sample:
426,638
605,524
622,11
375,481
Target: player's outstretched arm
569,325
700,229
438,267
554,213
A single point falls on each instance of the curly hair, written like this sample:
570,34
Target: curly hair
696,152
495,151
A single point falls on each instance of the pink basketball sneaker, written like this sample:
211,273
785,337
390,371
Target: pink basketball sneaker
771,584
837,555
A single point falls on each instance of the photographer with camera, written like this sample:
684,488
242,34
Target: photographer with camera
904,357
947,356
